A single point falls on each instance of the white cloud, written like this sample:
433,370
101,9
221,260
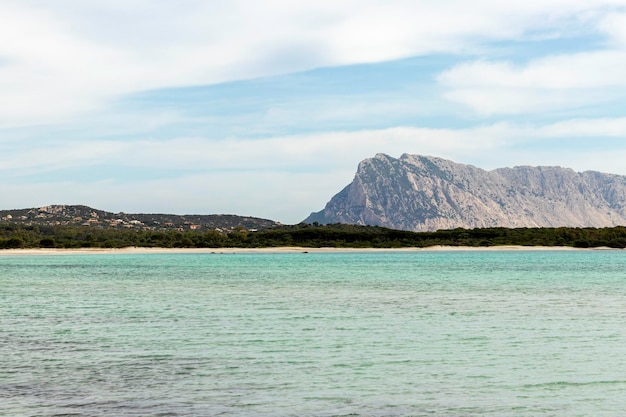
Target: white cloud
65,58
490,101
592,128
556,82
574,71
312,153
614,25
59,156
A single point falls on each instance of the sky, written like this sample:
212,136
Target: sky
265,107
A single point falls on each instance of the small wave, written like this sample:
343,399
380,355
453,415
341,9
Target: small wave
559,384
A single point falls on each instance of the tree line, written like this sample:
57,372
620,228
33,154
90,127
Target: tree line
306,235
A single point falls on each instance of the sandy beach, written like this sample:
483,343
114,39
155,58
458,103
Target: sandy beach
138,251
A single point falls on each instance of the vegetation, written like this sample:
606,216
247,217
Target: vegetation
305,235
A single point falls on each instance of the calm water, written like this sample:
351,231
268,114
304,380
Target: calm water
318,334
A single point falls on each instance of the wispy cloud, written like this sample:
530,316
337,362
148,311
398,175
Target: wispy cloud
309,153
67,58
614,26
556,82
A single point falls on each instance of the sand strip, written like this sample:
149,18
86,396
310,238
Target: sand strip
134,250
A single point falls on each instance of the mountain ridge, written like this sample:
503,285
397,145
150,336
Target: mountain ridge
426,193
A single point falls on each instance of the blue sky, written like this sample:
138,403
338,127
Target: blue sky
265,108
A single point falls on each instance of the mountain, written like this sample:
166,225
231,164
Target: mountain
76,215
423,193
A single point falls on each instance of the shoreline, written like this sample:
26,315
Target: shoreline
285,249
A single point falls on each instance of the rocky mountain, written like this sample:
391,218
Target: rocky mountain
423,193
76,215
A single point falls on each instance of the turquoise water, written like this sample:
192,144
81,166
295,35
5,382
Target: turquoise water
319,334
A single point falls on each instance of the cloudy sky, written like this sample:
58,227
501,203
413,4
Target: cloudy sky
265,107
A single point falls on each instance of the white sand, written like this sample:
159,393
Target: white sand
134,250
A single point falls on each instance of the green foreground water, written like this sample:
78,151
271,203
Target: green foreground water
320,334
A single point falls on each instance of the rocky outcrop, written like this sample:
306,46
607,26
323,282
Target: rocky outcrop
423,193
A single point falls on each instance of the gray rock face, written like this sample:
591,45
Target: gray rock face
423,193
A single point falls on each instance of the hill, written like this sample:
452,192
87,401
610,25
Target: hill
77,215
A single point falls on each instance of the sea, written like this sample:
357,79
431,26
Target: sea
373,334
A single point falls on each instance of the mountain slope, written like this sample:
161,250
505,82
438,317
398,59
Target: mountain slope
422,193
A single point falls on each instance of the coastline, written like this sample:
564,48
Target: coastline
286,249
